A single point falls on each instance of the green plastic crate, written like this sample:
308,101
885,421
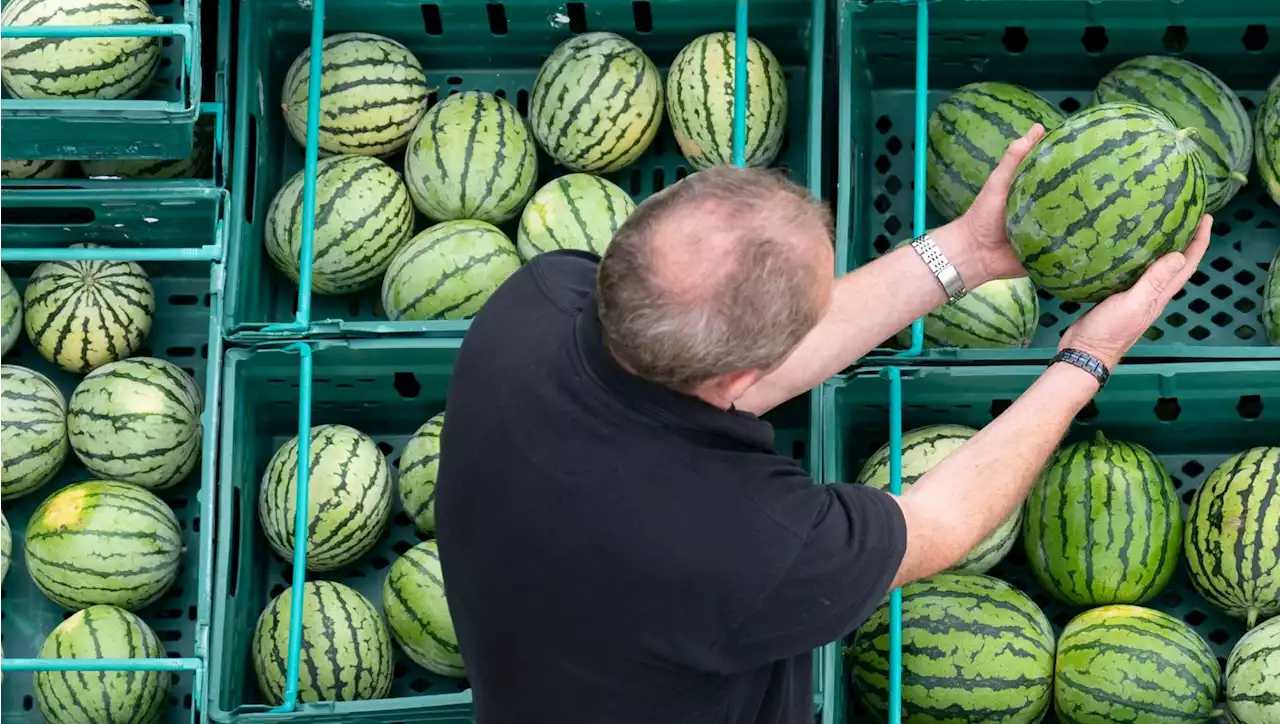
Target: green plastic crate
386,388
1060,48
467,45
1192,416
184,332
157,125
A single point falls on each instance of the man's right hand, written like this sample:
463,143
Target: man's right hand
1113,326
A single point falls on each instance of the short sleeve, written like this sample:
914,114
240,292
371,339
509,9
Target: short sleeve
840,574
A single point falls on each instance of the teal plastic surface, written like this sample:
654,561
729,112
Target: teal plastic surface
496,47
159,124
1192,416
1059,48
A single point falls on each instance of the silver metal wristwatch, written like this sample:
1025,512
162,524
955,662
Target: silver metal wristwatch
947,275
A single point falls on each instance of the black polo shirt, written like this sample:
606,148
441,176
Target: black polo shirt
618,553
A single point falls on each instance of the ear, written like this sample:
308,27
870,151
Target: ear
726,389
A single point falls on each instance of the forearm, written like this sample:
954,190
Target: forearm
960,501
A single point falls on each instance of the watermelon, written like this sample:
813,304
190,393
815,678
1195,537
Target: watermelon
999,314
700,87
1101,197
1194,98
974,650
596,103
197,164
923,448
1253,676
105,68
969,131
346,651
448,271
419,464
1103,524
471,158
84,314
1232,540
418,613
1271,302
102,697
33,425
363,215
103,542
1266,140
1133,664
11,306
373,92
19,169
577,211
137,421
349,497
6,546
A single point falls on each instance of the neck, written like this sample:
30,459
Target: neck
705,392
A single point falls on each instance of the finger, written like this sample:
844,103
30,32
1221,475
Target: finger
1004,172
1194,254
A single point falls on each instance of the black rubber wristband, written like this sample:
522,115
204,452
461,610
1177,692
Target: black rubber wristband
1086,362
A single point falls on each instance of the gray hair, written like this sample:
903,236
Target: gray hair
742,238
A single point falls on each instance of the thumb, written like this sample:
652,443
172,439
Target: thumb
1156,281
1002,177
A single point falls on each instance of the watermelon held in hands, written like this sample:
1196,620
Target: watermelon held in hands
1102,197
1253,676
1266,140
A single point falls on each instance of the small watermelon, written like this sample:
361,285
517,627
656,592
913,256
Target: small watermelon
349,497
700,89
922,449
1266,140
1271,302
974,650
596,103
448,271
6,546
1232,540
20,169
346,651
471,158
999,314
1101,197
11,311
1194,98
1103,524
103,542
969,131
137,421
419,464
102,697
1133,664
373,92
199,163
1253,676
418,613
363,215
577,211
33,425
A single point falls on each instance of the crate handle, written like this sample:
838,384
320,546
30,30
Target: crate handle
49,216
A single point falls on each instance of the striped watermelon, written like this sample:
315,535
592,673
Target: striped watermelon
363,215
33,425
19,169
1101,197
11,311
577,211
1266,140
196,165
1132,664
137,421
6,546
1232,540
349,497
922,449
84,314
418,613
1103,524
471,158
103,542
102,697
1271,302
1000,313
1253,676
1194,98
373,92
105,68
596,103
448,271
700,87
346,652
969,132
974,650
419,465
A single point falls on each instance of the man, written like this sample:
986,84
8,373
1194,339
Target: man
620,541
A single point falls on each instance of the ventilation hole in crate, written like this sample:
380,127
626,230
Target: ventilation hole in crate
401,547
167,42
497,18
165,62
1266,224
1168,409
422,537
893,145
1243,214
180,351
379,562
1048,320
1245,305
1094,39
522,102
1221,263
183,300
1177,482
1192,468
883,164
431,21
642,16
884,124
1219,636
1223,291
1198,306
892,225
407,385
385,447
881,244
1195,618
1221,319
999,406
277,589
28,703
169,635
577,17
419,684
635,181
1221,228
1244,277
892,184
1175,320
1061,619
1069,307
1249,407
1014,39
1255,38
1175,38
681,173
401,518
1069,105
1199,333
882,203
1046,296
1187,496
1178,295
659,180
659,145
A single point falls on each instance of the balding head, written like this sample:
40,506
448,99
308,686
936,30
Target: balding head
723,273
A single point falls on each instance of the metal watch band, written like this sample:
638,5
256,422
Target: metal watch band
948,277
1086,362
